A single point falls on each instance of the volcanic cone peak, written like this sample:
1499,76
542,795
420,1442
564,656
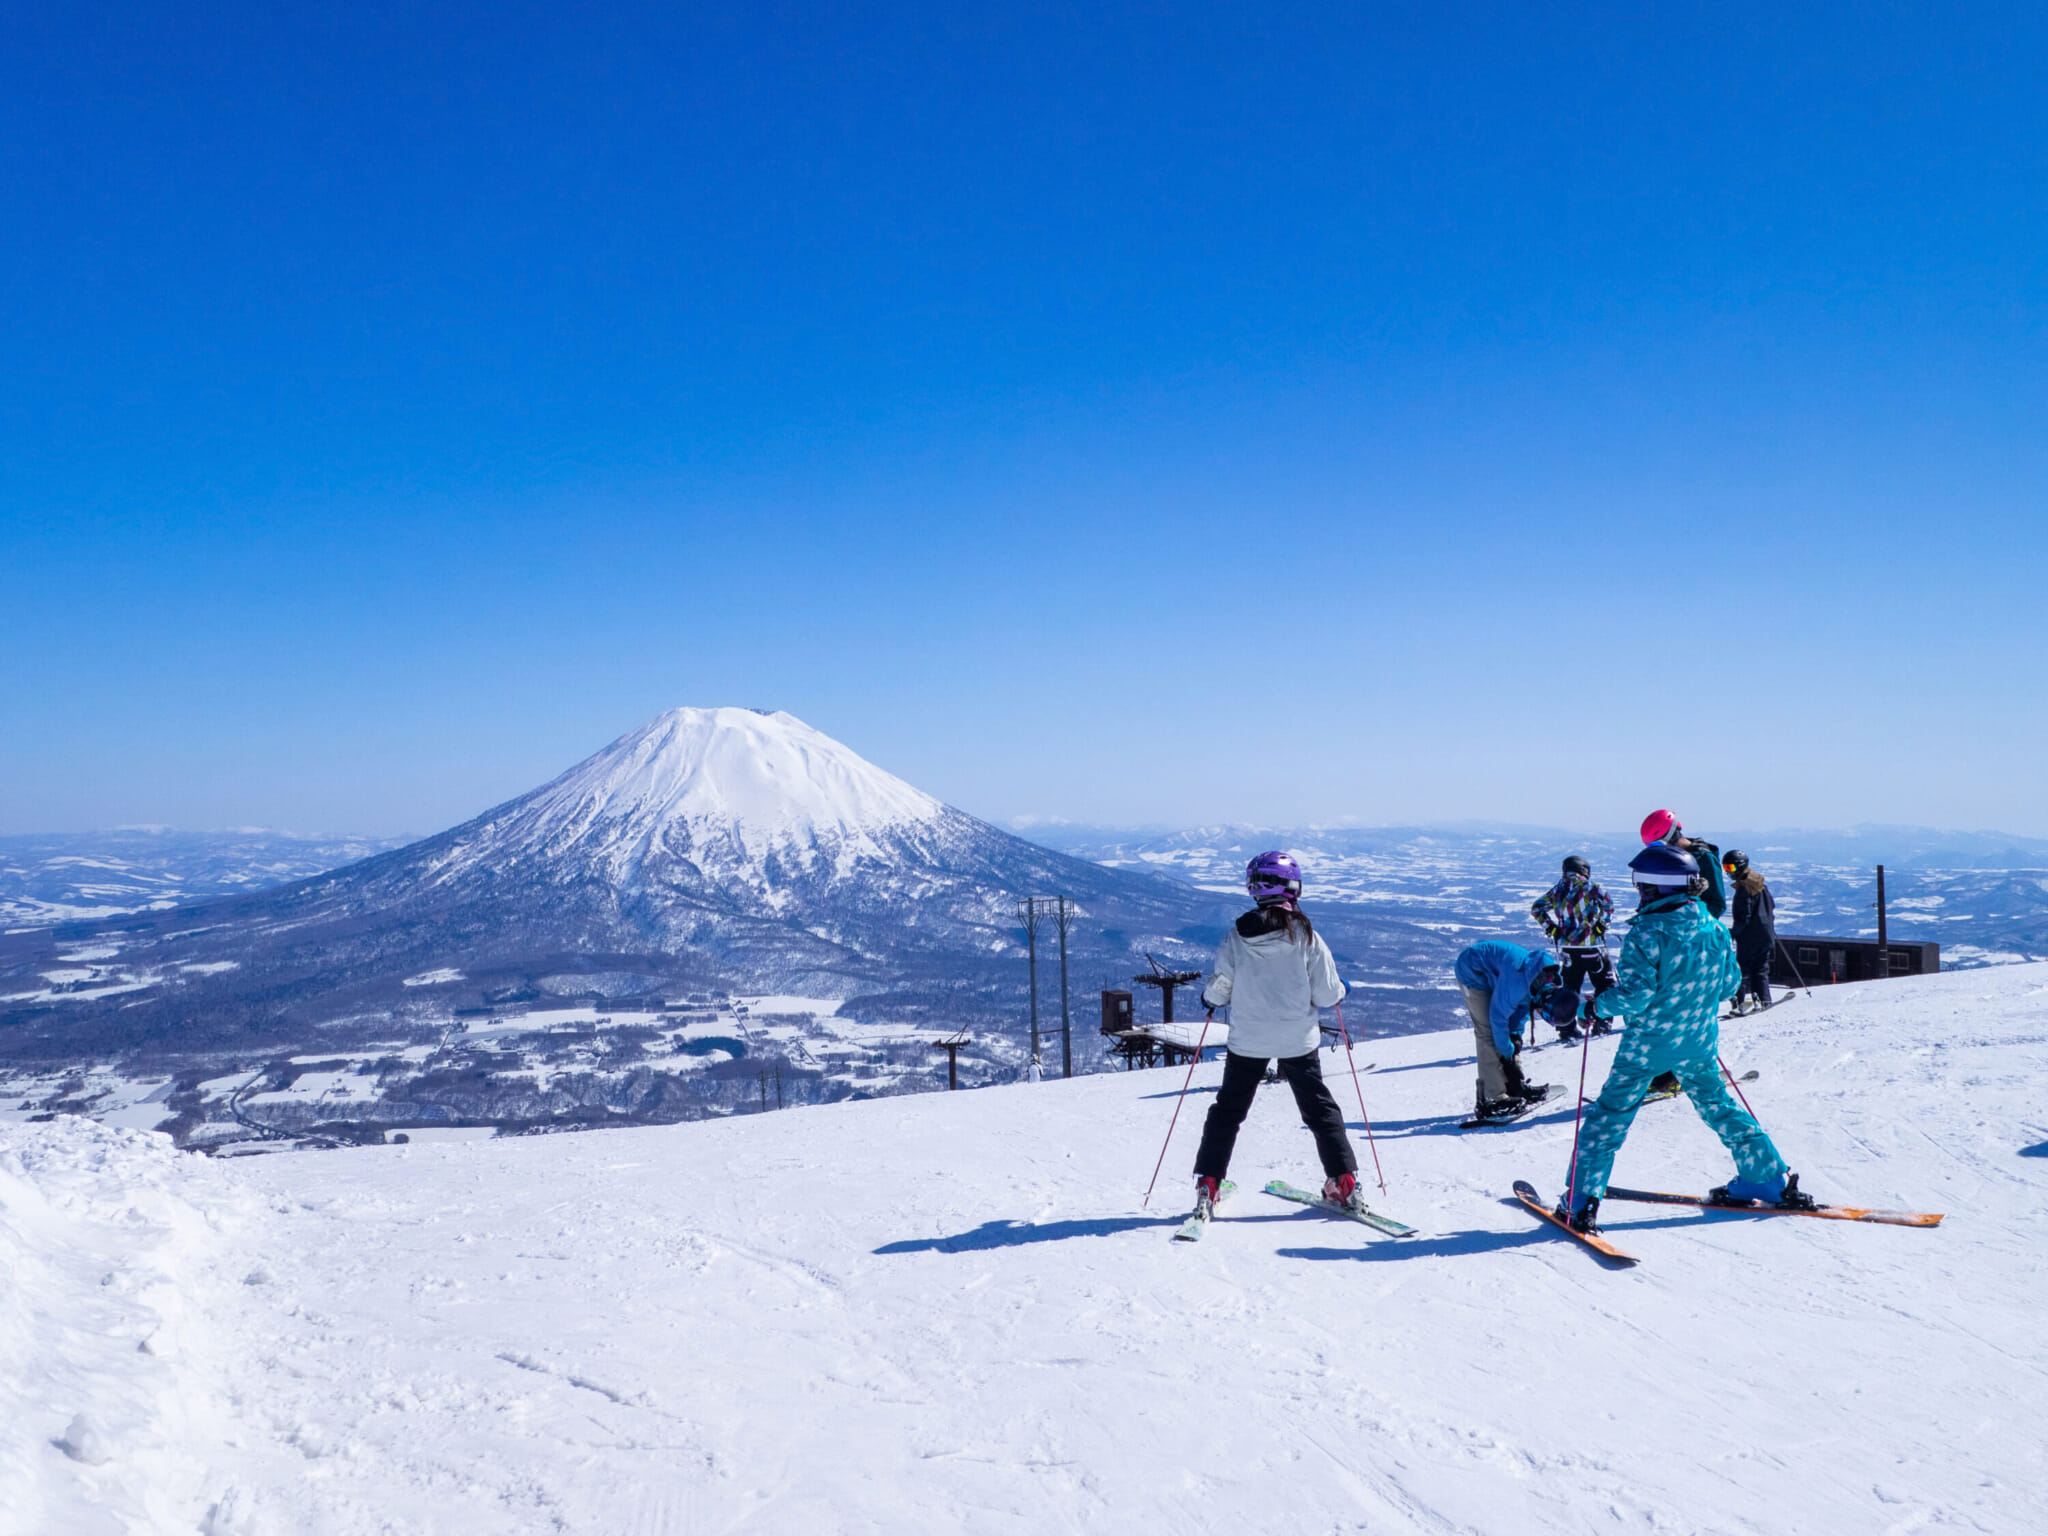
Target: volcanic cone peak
732,792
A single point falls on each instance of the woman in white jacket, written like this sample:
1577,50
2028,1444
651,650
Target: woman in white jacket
1274,971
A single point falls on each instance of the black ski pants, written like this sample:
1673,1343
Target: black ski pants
1581,961
1754,956
1319,1112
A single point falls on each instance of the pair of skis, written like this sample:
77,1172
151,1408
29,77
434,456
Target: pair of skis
1192,1229
1526,1193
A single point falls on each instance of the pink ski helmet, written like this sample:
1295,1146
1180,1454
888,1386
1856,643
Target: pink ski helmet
1273,877
1658,826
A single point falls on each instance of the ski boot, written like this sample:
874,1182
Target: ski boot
1206,1189
1784,1193
1581,1220
1343,1190
1567,1034
1665,1084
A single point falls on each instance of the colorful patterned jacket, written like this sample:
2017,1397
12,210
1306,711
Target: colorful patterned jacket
1574,911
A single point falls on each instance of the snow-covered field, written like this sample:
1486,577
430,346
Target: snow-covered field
950,1312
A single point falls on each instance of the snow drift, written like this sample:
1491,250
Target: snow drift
951,1313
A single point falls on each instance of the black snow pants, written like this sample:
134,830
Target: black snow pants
1581,961
1754,956
1319,1112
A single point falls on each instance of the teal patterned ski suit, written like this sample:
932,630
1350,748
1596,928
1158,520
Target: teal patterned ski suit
1677,967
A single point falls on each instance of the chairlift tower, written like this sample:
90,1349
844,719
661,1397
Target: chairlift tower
1033,910
1166,981
951,1046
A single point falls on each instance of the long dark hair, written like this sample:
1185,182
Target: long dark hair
1271,919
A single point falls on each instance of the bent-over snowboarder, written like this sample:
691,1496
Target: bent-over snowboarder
1677,965
1274,972
1504,984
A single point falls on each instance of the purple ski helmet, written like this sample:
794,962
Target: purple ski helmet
1272,877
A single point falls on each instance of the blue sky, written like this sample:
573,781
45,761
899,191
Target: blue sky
1189,412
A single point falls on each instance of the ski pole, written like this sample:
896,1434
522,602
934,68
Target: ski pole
1730,1076
1361,1100
1571,1194
1176,1105
1793,963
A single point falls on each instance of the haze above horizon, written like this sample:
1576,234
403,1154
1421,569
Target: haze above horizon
1182,417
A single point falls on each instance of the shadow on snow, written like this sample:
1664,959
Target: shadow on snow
1013,1234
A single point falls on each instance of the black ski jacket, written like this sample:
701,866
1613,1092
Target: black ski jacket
1755,918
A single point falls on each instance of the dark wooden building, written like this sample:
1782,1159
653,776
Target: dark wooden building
1820,962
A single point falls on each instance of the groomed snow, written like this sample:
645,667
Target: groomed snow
950,1313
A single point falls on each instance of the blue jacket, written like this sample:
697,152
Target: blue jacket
1508,971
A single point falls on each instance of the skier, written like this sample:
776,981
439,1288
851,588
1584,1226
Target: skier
1677,964
1504,984
1274,972
1754,916
1574,914
1662,827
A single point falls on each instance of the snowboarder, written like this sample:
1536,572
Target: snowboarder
1662,827
1274,972
1504,984
1754,918
1677,965
1574,914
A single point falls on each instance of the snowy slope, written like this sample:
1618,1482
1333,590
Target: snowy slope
951,1313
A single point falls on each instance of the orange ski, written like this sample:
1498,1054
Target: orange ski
1526,1193
1826,1212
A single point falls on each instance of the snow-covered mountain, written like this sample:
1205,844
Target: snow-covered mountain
711,853
757,805
955,1314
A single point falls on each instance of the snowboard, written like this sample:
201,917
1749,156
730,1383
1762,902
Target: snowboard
1825,1212
1192,1229
1371,1218
1526,1193
1550,1092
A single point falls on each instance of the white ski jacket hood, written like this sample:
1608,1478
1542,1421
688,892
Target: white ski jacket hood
1273,985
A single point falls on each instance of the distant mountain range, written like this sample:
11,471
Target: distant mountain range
726,895
710,851
71,876
1898,847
